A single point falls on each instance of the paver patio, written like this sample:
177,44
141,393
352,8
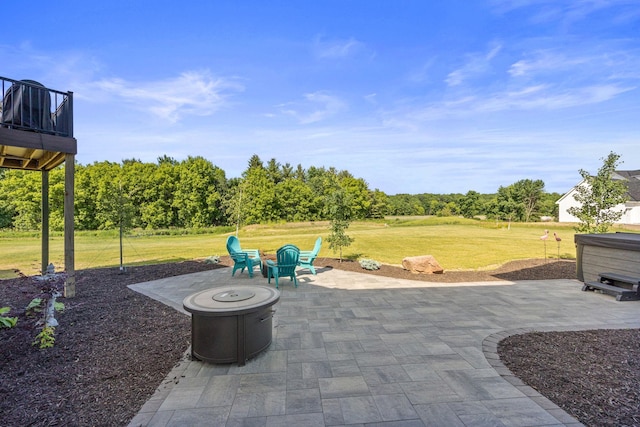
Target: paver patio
362,350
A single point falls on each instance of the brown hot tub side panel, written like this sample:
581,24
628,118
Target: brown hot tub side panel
597,260
613,252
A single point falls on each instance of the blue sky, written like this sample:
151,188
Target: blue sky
413,96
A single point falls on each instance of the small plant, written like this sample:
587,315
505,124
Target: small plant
35,306
46,338
58,306
370,264
214,259
7,322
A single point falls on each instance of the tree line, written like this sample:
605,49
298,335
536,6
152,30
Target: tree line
194,193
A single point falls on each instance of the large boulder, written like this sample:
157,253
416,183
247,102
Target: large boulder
424,264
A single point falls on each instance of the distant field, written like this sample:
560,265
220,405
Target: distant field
457,244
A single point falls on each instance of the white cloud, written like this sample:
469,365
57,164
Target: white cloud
542,80
319,106
371,98
191,93
610,60
477,64
555,61
336,49
543,61
421,74
530,98
455,77
570,11
536,98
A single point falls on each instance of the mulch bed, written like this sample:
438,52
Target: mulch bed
592,375
527,269
114,347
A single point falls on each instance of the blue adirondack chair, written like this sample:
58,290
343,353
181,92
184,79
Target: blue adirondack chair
242,258
285,265
307,257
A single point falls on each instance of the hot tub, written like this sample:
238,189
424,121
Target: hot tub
609,252
231,323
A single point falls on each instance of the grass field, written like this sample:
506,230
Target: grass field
457,244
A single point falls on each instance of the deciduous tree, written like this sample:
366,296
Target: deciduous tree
598,195
339,207
470,204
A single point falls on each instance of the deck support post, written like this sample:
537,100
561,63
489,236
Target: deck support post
45,222
69,251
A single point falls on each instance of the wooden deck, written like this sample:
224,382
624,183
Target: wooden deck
36,134
36,126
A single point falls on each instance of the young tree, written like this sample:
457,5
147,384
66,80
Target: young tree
339,209
598,195
232,202
115,210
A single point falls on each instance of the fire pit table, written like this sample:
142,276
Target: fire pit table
231,323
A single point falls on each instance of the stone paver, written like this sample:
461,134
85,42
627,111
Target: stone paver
354,349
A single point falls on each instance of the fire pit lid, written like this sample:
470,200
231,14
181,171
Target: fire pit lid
234,295
231,300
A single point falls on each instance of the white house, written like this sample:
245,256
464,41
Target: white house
630,210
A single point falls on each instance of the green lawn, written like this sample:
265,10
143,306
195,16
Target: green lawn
457,244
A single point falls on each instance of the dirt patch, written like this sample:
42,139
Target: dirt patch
114,347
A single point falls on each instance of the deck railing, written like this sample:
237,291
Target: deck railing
28,105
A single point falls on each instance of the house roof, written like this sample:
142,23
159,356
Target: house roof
630,175
633,188
632,179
